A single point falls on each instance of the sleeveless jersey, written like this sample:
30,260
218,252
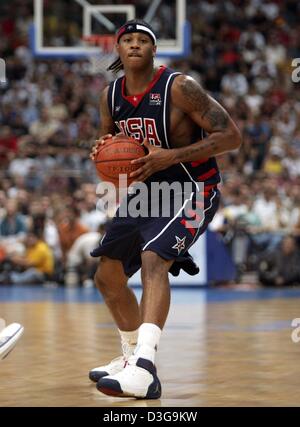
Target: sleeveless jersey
147,115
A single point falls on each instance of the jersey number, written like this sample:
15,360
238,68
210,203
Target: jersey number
139,129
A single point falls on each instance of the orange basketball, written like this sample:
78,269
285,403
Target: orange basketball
114,157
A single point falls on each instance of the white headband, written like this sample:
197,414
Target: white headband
146,30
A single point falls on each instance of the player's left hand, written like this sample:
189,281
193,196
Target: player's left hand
156,160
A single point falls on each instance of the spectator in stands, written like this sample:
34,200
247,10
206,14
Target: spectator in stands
42,224
2,204
12,225
259,133
43,129
273,162
234,83
69,228
36,264
21,163
8,145
91,217
254,100
281,267
58,109
80,266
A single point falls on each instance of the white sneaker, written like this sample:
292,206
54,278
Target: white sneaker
115,366
9,337
138,379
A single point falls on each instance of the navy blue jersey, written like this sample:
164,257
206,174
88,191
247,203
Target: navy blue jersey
147,115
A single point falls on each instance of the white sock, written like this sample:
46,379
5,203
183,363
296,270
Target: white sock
148,340
128,342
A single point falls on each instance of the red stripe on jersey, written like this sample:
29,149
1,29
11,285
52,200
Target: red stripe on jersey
209,187
188,227
199,162
205,193
207,175
136,99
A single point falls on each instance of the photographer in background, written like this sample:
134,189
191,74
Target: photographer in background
281,267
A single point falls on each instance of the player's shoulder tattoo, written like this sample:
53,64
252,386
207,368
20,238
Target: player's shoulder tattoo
193,93
196,99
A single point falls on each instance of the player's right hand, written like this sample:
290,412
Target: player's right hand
98,144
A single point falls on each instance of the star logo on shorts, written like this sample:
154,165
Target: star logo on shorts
180,244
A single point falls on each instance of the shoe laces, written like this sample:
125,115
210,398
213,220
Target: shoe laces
132,360
118,359
127,349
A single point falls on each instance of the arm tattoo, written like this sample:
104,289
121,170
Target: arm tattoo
195,95
196,151
218,119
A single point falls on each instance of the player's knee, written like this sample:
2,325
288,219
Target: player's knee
101,281
153,265
106,288
108,283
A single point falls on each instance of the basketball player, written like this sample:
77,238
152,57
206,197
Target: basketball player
168,112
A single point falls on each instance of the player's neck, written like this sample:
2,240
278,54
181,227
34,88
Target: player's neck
137,81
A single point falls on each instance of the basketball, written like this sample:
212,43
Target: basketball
114,157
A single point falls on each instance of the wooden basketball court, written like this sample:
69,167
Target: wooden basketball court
219,348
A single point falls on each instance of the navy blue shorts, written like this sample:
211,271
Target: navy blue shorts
169,236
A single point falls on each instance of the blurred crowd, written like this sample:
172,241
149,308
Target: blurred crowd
241,53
